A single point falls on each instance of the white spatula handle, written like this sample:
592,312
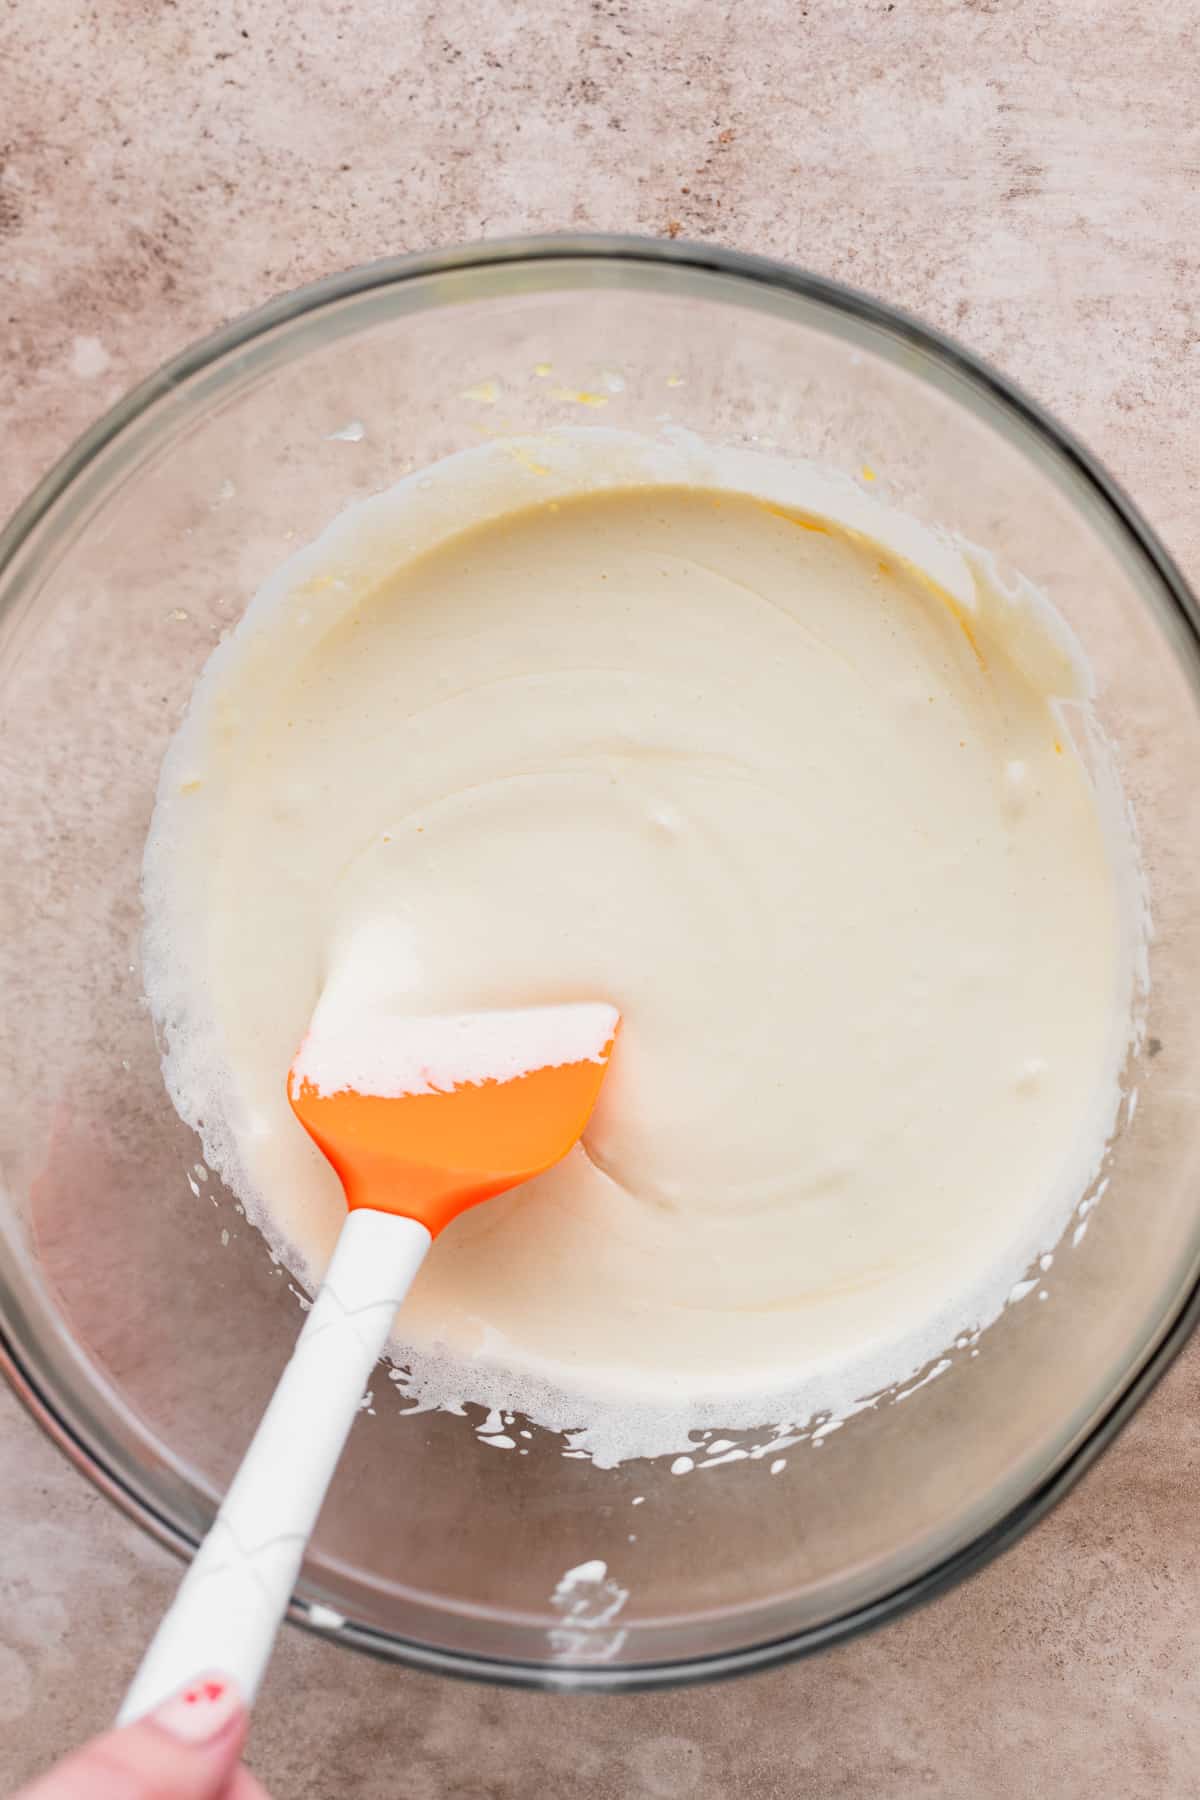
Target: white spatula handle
230,1602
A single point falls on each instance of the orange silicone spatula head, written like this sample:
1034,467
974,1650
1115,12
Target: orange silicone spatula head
425,1117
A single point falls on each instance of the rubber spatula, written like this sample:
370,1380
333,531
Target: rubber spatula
421,1119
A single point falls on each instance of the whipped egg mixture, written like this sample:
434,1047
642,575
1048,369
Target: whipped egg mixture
784,777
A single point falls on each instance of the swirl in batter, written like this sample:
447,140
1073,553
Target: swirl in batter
785,779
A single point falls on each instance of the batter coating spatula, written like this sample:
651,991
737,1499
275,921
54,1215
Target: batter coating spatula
421,1118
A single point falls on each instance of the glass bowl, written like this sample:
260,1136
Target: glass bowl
143,1321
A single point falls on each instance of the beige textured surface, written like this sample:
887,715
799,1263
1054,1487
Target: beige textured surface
1028,176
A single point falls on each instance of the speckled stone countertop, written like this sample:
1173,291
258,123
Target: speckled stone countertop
1026,175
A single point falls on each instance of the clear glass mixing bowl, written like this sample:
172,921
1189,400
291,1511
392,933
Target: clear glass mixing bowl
142,1320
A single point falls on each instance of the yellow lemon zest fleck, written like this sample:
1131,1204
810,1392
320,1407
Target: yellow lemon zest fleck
795,518
527,460
486,392
578,396
960,619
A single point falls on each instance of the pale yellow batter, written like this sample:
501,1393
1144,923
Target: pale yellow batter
732,762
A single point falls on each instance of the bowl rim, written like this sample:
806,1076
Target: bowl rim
46,1406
